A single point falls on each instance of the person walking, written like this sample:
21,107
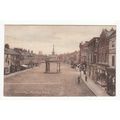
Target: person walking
79,78
86,77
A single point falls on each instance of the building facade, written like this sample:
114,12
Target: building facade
103,55
99,55
83,56
92,57
18,59
11,60
112,64
112,50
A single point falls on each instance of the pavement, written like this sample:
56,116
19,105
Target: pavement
16,73
35,82
96,88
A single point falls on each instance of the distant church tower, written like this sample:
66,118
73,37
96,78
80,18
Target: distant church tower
53,52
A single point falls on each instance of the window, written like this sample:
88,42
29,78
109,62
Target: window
106,57
113,44
6,58
8,62
113,60
94,59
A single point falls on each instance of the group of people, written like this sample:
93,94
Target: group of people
81,68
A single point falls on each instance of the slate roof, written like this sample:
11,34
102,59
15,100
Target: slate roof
107,33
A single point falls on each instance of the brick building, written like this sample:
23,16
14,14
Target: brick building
103,56
17,59
83,53
11,60
99,55
111,81
92,57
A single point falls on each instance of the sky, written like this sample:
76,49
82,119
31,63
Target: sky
66,39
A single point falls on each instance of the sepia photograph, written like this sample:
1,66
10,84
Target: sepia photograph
59,60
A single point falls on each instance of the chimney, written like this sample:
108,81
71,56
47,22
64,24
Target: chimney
31,51
112,29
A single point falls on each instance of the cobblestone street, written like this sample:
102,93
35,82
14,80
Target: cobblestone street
34,82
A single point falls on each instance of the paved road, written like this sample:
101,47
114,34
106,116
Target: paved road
34,82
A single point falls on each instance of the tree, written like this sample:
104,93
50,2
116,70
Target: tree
7,46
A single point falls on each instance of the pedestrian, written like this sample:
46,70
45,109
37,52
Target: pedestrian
79,79
84,71
85,77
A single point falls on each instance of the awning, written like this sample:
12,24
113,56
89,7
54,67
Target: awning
26,66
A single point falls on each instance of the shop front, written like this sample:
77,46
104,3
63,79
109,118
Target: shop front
102,75
111,81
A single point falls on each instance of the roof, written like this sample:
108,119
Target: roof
94,39
108,33
11,51
52,58
18,51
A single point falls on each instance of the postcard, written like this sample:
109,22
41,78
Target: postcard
60,60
